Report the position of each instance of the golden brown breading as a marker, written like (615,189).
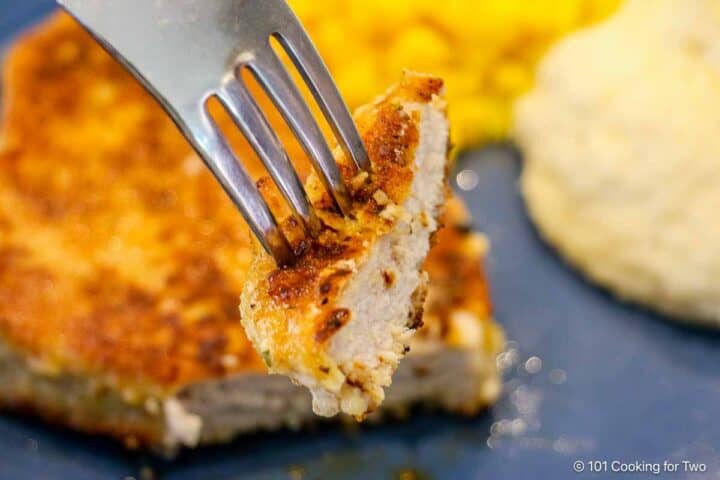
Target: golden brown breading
(119,253)
(332,321)
(121,260)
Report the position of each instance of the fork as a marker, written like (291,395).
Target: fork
(188,51)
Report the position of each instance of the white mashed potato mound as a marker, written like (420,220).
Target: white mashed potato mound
(621,136)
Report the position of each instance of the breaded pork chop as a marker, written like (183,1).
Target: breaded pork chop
(121,263)
(339,320)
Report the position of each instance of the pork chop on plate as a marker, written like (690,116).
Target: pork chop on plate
(122,262)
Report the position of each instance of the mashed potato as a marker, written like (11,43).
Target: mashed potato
(622,144)
(485,50)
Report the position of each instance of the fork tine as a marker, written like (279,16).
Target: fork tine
(272,75)
(252,122)
(311,66)
(217,155)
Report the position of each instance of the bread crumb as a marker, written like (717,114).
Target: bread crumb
(381,198)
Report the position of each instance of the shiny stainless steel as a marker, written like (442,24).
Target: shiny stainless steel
(187,51)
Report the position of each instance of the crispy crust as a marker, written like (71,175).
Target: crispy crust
(390,136)
(118,254)
(293,312)
(121,260)
(458,282)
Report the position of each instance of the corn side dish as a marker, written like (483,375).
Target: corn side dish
(486,50)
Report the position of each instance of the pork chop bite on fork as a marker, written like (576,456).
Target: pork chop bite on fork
(340,318)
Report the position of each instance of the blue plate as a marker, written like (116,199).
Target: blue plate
(587,379)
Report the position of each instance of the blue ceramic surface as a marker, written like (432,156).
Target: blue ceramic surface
(614,382)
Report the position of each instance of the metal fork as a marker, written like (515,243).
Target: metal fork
(187,51)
